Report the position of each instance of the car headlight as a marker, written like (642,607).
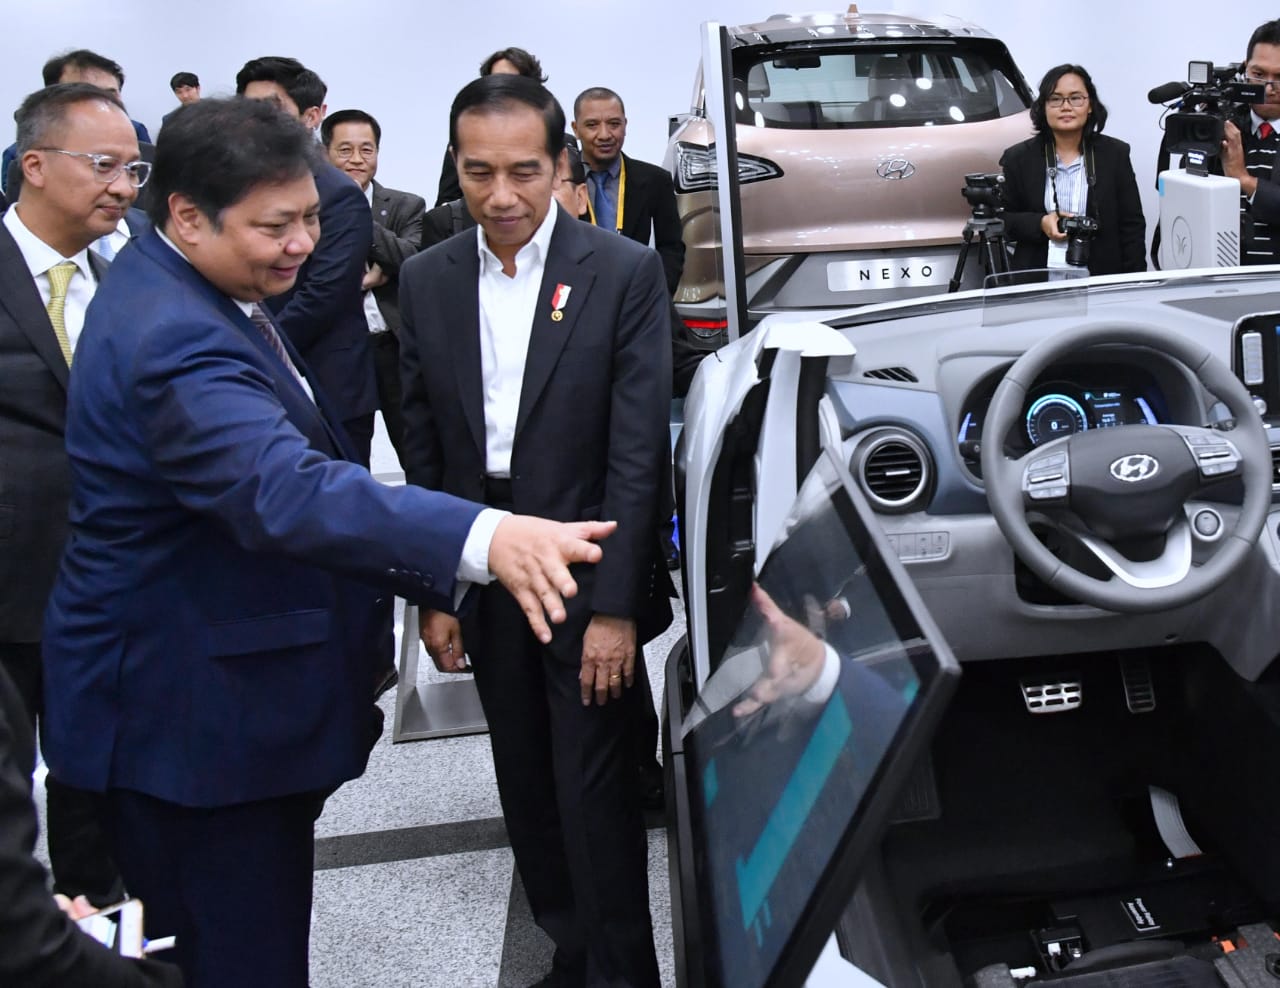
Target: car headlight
(696,168)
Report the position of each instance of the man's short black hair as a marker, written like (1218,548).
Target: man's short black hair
(1266,34)
(501,94)
(1097,118)
(526,64)
(304,87)
(181,79)
(80,58)
(597,92)
(216,151)
(348,116)
(577,169)
(47,108)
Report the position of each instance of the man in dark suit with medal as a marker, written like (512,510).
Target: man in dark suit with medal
(537,375)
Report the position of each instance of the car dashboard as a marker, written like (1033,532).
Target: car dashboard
(912,407)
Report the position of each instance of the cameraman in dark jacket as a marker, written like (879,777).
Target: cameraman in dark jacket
(1249,150)
(1070,170)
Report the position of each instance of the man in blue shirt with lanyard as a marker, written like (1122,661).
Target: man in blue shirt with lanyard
(631,197)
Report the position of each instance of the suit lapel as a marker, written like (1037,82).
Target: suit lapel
(548,336)
(634,200)
(461,309)
(305,413)
(21,299)
(383,206)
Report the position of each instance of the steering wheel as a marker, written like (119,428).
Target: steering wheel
(1127,486)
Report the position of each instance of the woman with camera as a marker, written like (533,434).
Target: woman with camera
(1071,199)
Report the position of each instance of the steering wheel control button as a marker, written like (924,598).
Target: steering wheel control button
(1047,478)
(1207,524)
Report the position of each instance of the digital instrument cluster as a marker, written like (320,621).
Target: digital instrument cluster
(1063,408)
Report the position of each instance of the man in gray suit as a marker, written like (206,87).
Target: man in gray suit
(81,173)
(352,139)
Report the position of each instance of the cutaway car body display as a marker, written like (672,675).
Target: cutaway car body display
(980,681)
(854,134)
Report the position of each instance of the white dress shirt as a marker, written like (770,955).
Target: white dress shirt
(40,257)
(507,308)
(372,314)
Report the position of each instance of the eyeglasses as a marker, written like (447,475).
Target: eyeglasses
(1075,99)
(1260,78)
(344,152)
(107,167)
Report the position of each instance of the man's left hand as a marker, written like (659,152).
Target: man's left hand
(608,658)
(1233,165)
(374,277)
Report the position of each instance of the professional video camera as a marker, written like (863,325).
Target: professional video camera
(1079,231)
(1199,211)
(1210,97)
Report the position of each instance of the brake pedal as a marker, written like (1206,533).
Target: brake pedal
(1139,688)
(1051,696)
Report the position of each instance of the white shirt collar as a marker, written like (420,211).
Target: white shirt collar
(368,192)
(537,246)
(40,257)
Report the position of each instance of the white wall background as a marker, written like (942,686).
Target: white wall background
(403,60)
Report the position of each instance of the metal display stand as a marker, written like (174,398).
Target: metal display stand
(435,709)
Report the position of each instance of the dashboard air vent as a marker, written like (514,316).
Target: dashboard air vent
(902,374)
(1275,469)
(894,469)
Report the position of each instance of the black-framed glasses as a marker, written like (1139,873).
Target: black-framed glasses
(1075,99)
(107,167)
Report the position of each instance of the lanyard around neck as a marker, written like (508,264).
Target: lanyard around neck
(622,195)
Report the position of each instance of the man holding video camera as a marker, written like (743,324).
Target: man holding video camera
(1249,149)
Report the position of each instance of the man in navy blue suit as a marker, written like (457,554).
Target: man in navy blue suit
(211,638)
(323,312)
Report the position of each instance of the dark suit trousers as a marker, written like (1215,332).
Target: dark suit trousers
(386,369)
(78,852)
(232,883)
(566,780)
(359,431)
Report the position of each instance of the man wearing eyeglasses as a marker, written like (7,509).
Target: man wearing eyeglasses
(81,173)
(1249,151)
(351,139)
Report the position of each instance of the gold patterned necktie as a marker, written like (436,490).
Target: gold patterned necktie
(59,279)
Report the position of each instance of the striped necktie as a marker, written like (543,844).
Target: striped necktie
(59,278)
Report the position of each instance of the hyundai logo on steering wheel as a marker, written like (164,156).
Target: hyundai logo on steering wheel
(1135,467)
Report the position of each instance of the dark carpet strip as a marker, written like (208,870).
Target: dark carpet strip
(408,843)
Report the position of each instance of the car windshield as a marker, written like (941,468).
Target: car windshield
(876,85)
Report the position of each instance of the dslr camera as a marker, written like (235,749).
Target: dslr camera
(1211,96)
(984,193)
(1079,231)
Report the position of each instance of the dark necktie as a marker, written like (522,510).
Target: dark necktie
(1265,130)
(606,216)
(258,316)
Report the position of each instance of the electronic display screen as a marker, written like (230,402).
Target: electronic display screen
(789,740)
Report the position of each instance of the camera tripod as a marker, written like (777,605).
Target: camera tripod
(989,229)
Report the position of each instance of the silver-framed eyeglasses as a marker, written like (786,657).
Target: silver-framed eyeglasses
(1075,99)
(107,167)
(1259,78)
(345,152)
